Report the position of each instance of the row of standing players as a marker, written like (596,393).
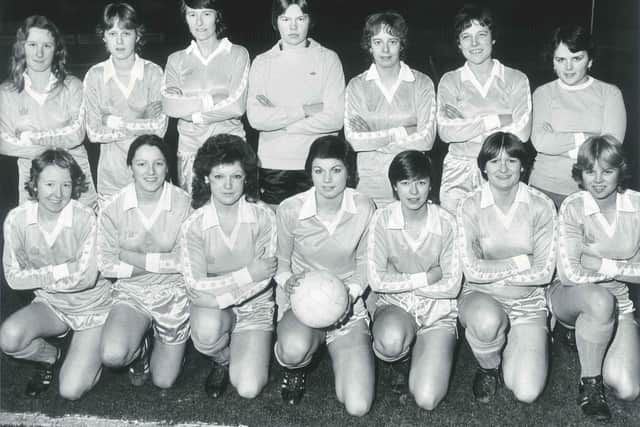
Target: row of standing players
(389,108)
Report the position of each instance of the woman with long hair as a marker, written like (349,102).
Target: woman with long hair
(49,247)
(205,85)
(138,236)
(122,97)
(598,257)
(41,103)
(228,260)
(389,108)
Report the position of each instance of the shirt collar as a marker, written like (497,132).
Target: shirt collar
(65,218)
(405,74)
(396,219)
(580,86)
(28,83)
(623,204)
(246,215)
(223,46)
(109,70)
(310,209)
(130,199)
(497,70)
(486,197)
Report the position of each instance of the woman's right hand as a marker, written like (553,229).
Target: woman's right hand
(292,283)
(153,110)
(359,124)
(262,268)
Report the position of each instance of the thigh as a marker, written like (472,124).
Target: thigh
(208,324)
(83,363)
(477,309)
(33,321)
(622,361)
(568,302)
(526,356)
(166,362)
(250,356)
(296,337)
(431,363)
(125,327)
(393,328)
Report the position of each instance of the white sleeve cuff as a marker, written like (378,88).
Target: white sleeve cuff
(522,262)
(197,118)
(207,102)
(609,267)
(25,137)
(398,133)
(114,122)
(225,300)
(152,262)
(124,270)
(491,122)
(418,280)
(60,271)
(242,277)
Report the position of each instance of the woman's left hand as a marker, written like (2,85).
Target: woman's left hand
(153,110)
(346,315)
(452,112)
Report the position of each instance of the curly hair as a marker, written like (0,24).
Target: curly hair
(409,164)
(223,149)
(509,143)
(221,28)
(601,149)
(18,63)
(126,16)
(333,147)
(63,159)
(390,22)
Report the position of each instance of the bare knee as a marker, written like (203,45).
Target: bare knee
(600,305)
(209,341)
(389,343)
(427,399)
(625,388)
(357,406)
(115,355)
(526,393)
(487,327)
(249,388)
(293,352)
(11,338)
(72,389)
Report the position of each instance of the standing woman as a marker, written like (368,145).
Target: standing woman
(599,237)
(41,103)
(205,85)
(49,247)
(122,97)
(413,266)
(568,110)
(324,228)
(389,108)
(503,306)
(479,98)
(296,94)
(138,231)
(228,260)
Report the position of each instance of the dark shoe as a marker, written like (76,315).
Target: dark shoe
(139,370)
(485,384)
(591,398)
(217,380)
(570,339)
(292,387)
(42,377)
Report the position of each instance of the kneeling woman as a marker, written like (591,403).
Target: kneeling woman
(503,297)
(49,247)
(228,260)
(599,237)
(414,268)
(138,231)
(324,228)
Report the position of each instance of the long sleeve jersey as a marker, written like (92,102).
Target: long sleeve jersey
(306,243)
(52,118)
(214,92)
(59,265)
(105,95)
(583,229)
(508,267)
(215,264)
(122,225)
(291,78)
(397,264)
(573,113)
(505,92)
(402,118)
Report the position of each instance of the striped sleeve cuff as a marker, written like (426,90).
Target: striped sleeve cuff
(418,280)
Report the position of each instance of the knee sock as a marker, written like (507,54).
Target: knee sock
(592,340)
(488,354)
(38,350)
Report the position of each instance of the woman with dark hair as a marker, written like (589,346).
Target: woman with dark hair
(41,103)
(599,237)
(503,306)
(389,108)
(324,228)
(49,247)
(413,266)
(568,110)
(296,94)
(480,98)
(228,260)
(138,236)
(205,85)
(122,97)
